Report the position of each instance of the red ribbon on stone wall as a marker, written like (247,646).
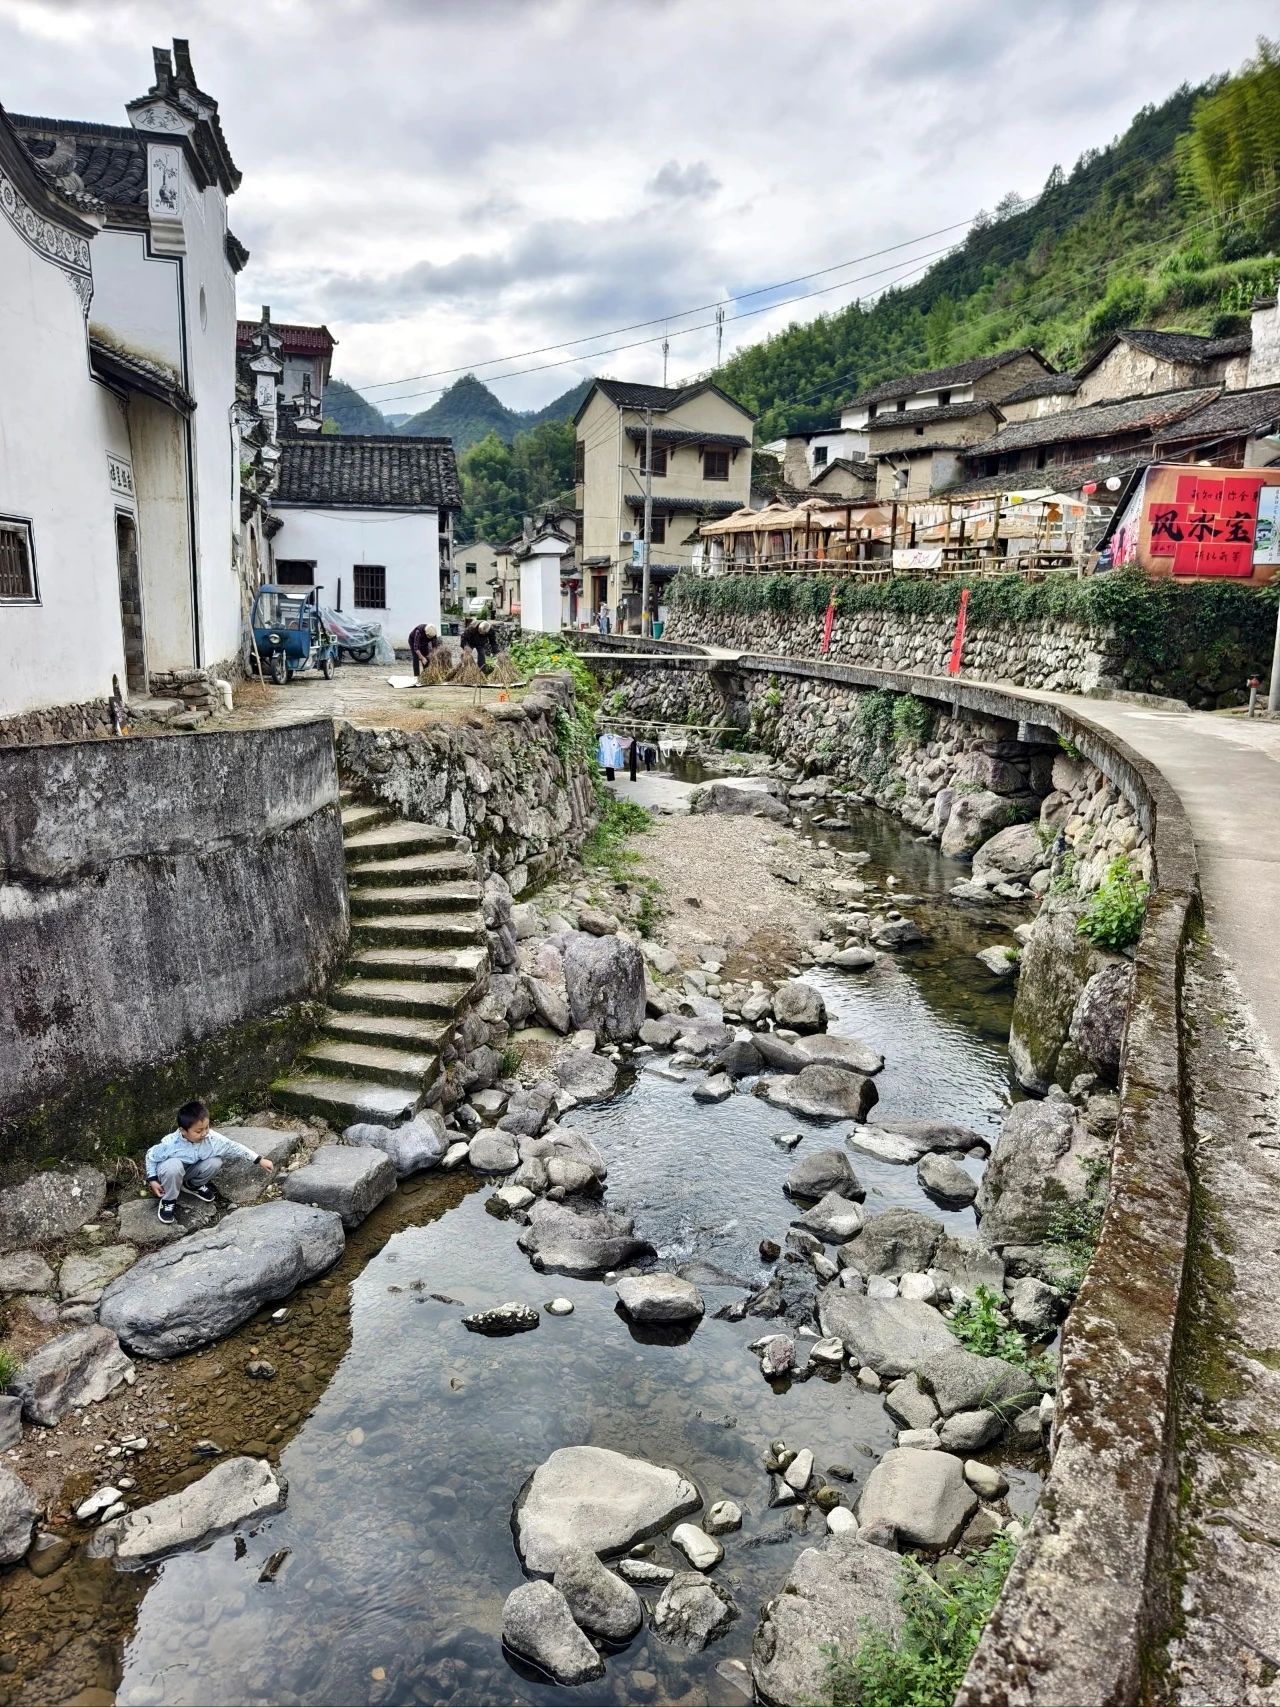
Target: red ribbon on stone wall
(957,645)
(827,626)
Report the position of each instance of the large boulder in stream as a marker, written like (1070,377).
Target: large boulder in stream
(589,1496)
(78,1368)
(921,1497)
(1014,854)
(351,1179)
(976,817)
(1046,1161)
(799,1007)
(562,1162)
(604,983)
(538,1625)
(1056,964)
(580,1241)
(420,1143)
(820,1093)
(1096,1033)
(190,1294)
(893,1336)
(17,1517)
(821,1171)
(848,1052)
(833,1596)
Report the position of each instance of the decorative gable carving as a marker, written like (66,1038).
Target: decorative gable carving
(65,249)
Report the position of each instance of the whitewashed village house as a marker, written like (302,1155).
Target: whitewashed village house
(118,465)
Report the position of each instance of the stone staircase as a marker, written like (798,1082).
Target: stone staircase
(417,949)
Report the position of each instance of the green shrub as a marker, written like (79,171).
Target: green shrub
(1113,918)
(1076,1227)
(912,720)
(10,1364)
(981,1326)
(923,1665)
(604,848)
(874,714)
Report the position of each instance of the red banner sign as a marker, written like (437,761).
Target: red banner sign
(1208,529)
(827,626)
(957,645)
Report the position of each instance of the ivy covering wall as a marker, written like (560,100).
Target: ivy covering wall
(1170,634)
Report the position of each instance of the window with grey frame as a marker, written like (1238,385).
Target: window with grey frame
(18,584)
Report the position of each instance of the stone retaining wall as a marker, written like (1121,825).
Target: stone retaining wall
(169,909)
(1055,656)
(515,779)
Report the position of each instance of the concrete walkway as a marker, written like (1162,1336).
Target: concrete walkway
(1226,771)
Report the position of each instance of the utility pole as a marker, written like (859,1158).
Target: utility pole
(719,333)
(648,517)
(666,348)
(1273,697)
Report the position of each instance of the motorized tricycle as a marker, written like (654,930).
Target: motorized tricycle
(289,634)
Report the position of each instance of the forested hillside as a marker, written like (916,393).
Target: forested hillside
(1176,223)
(468,410)
(349,412)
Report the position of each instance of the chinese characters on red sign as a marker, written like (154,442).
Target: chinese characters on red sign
(1208,529)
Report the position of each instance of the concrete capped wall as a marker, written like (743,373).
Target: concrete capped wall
(156,895)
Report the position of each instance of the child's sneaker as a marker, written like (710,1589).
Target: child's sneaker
(203,1192)
(165,1213)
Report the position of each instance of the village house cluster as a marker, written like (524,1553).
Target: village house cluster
(190,464)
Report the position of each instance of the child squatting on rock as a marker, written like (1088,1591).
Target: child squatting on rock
(188,1159)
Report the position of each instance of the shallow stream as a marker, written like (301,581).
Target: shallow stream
(404,1471)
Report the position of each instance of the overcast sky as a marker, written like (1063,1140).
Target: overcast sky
(444,182)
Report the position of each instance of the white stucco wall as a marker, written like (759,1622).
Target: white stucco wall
(406,543)
(53,472)
(540,610)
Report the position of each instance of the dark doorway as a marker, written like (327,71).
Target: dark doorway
(135,646)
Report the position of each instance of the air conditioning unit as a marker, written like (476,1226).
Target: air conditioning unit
(627,536)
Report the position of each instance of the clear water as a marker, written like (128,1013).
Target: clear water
(403,1475)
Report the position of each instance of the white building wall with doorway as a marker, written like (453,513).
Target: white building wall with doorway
(62,645)
(405,545)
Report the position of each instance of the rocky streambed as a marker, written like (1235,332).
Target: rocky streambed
(795,1385)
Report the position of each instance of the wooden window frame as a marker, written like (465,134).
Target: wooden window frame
(21,528)
(359,584)
(707,455)
(289,562)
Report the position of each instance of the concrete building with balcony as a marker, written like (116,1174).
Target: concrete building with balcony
(701,469)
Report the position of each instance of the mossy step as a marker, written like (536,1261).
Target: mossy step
(445,867)
(407,996)
(388,841)
(356,817)
(414,898)
(402,1031)
(418,930)
(344,1101)
(382,1063)
(432,965)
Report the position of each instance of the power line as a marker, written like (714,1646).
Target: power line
(675,314)
(639,343)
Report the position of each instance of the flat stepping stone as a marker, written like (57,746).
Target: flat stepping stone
(415,897)
(400,996)
(345,1100)
(421,867)
(589,1496)
(398,838)
(399,1029)
(350,1179)
(357,818)
(438,964)
(381,1062)
(442,930)
(236,1489)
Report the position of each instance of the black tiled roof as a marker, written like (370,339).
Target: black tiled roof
(700,506)
(629,396)
(1187,347)
(1048,385)
(900,418)
(137,373)
(111,160)
(961,373)
(237,254)
(368,472)
(1234,412)
(1061,477)
(690,436)
(1097,421)
(862,467)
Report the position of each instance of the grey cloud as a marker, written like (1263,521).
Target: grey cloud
(695,182)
